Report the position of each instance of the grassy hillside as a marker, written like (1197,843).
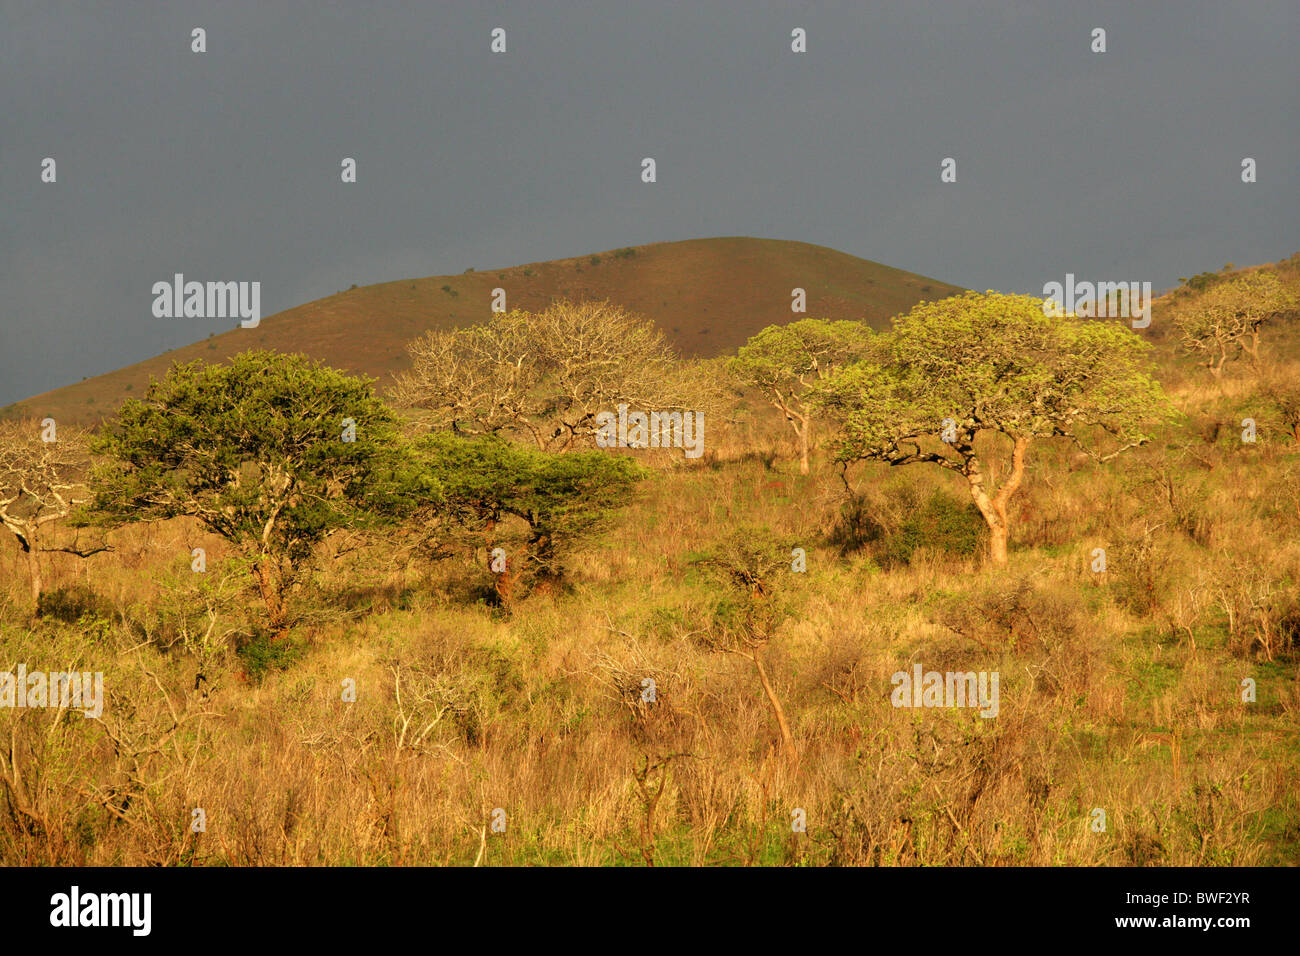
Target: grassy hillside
(1121,691)
(708,295)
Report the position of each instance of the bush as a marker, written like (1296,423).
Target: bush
(70,604)
(899,523)
(1019,613)
(1199,282)
(942,524)
(264,654)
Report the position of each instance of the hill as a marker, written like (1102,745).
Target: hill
(708,295)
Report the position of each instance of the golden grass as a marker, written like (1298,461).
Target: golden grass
(1119,691)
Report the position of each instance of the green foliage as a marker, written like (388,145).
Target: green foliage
(788,362)
(942,523)
(1201,281)
(790,359)
(1225,321)
(896,524)
(254,450)
(992,362)
(262,655)
(559,497)
(72,603)
(750,558)
(753,562)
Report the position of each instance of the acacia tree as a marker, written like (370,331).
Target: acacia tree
(272,452)
(1285,396)
(546,376)
(982,364)
(749,560)
(787,362)
(42,480)
(1225,322)
(554,499)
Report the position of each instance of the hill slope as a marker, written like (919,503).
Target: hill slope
(708,295)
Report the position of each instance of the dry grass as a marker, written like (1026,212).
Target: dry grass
(1119,691)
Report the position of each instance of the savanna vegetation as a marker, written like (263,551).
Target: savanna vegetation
(436,625)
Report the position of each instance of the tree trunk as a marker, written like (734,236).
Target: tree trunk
(998,544)
(994,509)
(34,570)
(504,581)
(787,738)
(801,422)
(1252,349)
(268,583)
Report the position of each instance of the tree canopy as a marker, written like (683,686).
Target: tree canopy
(272,452)
(787,362)
(557,498)
(990,363)
(546,376)
(1225,322)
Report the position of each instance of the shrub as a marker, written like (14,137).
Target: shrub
(899,523)
(70,604)
(942,524)
(264,654)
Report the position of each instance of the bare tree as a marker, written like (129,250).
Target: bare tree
(42,480)
(548,375)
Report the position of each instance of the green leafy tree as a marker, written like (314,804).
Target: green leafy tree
(1226,321)
(990,364)
(532,504)
(787,362)
(272,452)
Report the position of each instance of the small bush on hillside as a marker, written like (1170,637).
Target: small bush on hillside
(1019,614)
(941,524)
(263,654)
(70,604)
(901,523)
(1199,282)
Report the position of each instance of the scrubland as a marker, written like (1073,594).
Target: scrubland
(1121,690)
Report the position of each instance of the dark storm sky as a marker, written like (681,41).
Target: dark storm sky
(225,165)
